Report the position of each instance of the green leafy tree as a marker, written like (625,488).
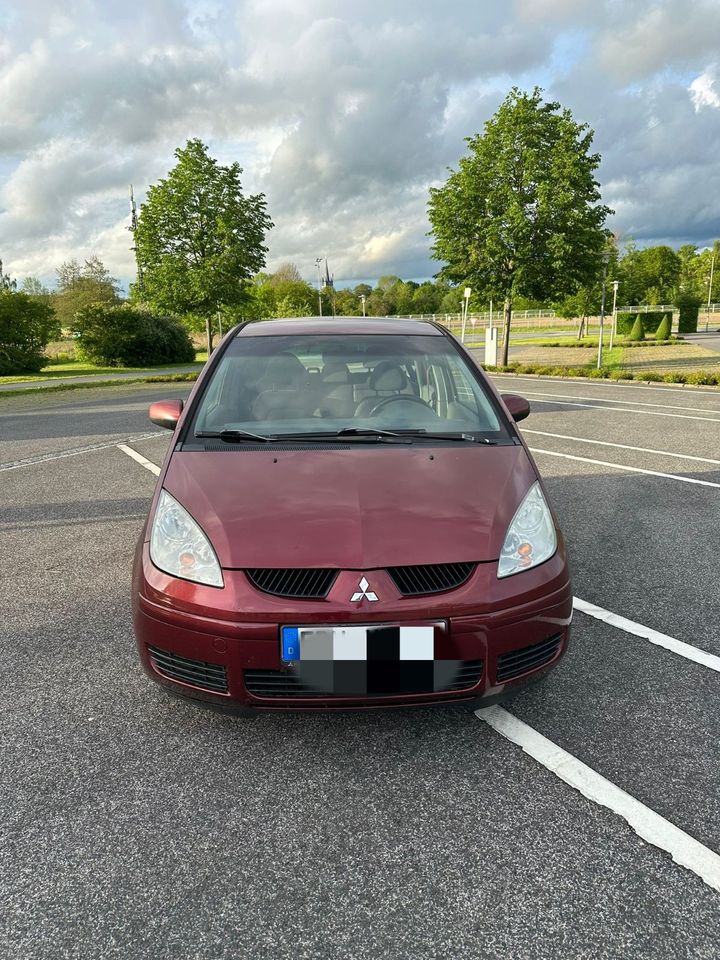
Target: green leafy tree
(522,215)
(79,286)
(26,328)
(35,288)
(199,239)
(649,276)
(6,283)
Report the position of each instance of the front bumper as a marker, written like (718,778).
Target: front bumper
(224,633)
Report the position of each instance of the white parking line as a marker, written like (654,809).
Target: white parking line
(74,452)
(631,403)
(622,446)
(537,398)
(620,466)
(650,826)
(686,650)
(152,467)
(611,385)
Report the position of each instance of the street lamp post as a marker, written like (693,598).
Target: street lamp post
(613,330)
(710,285)
(318,261)
(363,298)
(606,258)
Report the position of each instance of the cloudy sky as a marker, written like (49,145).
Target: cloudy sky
(342,112)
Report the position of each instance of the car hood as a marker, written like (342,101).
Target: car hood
(357,508)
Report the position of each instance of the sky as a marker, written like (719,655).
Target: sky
(343,113)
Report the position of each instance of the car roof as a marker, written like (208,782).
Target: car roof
(340,325)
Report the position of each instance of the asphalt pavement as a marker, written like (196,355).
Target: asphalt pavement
(138,826)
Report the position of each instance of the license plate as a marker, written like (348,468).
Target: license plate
(381,642)
(361,661)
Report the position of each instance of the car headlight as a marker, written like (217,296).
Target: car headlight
(179,547)
(530,539)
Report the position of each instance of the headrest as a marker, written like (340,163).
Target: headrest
(387,376)
(285,369)
(335,371)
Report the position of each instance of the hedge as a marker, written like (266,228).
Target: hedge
(688,317)
(651,321)
(698,377)
(127,336)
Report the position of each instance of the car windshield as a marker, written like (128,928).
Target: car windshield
(312,384)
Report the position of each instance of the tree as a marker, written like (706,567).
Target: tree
(34,288)
(5,282)
(26,327)
(80,286)
(522,215)
(199,239)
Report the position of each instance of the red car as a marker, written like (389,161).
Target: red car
(347,517)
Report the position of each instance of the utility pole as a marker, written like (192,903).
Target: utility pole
(132,228)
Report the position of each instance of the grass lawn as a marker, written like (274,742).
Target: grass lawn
(79,368)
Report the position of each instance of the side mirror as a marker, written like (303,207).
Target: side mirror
(518,407)
(165,413)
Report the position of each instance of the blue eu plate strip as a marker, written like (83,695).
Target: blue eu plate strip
(290,644)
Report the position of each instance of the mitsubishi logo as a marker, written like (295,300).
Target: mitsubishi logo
(363,592)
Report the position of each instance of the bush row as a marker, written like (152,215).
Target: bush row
(625,342)
(698,377)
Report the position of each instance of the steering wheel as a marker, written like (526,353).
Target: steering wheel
(402,398)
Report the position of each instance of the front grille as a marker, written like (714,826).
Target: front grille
(302,584)
(209,676)
(513,664)
(430,578)
(284,683)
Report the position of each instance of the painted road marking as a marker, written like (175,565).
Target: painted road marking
(611,385)
(633,403)
(622,446)
(650,826)
(74,452)
(538,398)
(139,458)
(620,466)
(686,650)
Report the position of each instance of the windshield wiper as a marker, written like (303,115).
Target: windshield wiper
(429,435)
(233,436)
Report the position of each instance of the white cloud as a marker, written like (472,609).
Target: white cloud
(343,113)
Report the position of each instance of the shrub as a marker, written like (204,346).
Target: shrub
(26,327)
(675,378)
(688,316)
(651,321)
(663,331)
(703,378)
(638,330)
(649,377)
(127,336)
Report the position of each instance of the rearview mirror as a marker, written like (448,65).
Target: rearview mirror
(165,413)
(518,407)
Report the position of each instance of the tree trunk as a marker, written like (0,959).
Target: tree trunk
(508,321)
(581,328)
(208,336)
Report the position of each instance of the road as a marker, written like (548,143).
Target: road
(137,826)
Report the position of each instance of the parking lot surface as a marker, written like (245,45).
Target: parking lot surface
(138,826)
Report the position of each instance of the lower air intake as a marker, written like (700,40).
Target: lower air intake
(517,662)
(442,677)
(198,673)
